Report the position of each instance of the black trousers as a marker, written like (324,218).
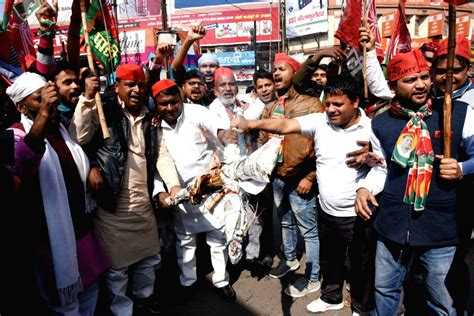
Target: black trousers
(362,257)
(338,236)
(335,236)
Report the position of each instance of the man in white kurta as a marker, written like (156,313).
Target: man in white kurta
(188,130)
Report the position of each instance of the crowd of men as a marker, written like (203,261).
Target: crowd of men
(364,184)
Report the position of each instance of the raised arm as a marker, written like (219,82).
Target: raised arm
(375,78)
(194,34)
(85,121)
(47,17)
(162,51)
(302,79)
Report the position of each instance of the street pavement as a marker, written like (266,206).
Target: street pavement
(256,295)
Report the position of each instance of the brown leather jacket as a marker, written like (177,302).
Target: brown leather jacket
(298,150)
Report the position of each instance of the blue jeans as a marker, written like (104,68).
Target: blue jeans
(295,211)
(391,264)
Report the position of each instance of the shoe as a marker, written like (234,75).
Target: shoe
(301,287)
(267,262)
(355,314)
(283,268)
(145,306)
(255,268)
(319,306)
(227,293)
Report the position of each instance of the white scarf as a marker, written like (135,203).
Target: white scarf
(58,214)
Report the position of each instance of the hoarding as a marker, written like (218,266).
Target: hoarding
(136,45)
(435,24)
(387,23)
(463,23)
(229,27)
(179,4)
(245,58)
(305,17)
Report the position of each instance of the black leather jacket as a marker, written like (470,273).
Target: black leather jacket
(111,154)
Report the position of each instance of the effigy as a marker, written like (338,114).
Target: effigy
(225,188)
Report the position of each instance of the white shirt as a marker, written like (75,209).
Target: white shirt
(187,142)
(336,181)
(220,110)
(190,145)
(376,82)
(253,112)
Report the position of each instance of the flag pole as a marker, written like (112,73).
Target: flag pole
(364,51)
(449,82)
(90,60)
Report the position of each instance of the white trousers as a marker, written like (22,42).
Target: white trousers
(143,284)
(186,252)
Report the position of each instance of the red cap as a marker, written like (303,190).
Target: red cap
(161,85)
(223,71)
(404,64)
(131,72)
(462,47)
(282,57)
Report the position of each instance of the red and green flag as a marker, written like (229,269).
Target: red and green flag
(103,35)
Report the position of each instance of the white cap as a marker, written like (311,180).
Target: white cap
(24,85)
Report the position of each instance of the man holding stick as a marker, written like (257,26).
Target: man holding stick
(418,205)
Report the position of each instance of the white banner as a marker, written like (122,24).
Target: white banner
(305,17)
(132,42)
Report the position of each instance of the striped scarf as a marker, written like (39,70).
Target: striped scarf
(279,112)
(413,149)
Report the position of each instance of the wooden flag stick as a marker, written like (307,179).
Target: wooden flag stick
(449,82)
(364,51)
(90,60)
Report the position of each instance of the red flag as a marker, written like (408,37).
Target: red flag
(348,30)
(374,27)
(401,40)
(22,48)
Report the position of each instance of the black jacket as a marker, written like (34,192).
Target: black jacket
(111,154)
